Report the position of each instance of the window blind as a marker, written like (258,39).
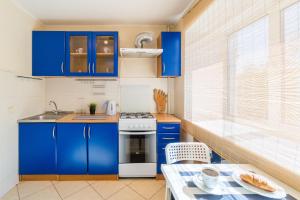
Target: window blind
(242,77)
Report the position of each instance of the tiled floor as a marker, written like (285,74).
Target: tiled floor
(124,189)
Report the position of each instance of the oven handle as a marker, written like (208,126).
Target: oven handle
(137,132)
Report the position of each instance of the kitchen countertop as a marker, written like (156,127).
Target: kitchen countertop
(70,119)
(166,118)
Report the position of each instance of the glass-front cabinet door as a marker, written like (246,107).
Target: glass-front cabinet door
(78,53)
(105,59)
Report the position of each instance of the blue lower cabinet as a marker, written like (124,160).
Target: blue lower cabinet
(215,158)
(168,128)
(166,133)
(161,159)
(37,148)
(72,148)
(103,148)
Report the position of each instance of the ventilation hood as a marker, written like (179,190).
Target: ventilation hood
(140,52)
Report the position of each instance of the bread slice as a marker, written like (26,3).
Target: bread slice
(257,182)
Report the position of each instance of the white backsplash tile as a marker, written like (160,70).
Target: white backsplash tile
(75,94)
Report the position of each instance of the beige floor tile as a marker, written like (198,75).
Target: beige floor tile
(146,188)
(29,187)
(11,194)
(126,194)
(160,195)
(108,188)
(127,181)
(85,194)
(66,188)
(47,194)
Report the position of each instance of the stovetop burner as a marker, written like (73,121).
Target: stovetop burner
(137,115)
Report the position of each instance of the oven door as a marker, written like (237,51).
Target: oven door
(137,147)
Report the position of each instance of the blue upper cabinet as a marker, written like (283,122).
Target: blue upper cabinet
(59,53)
(105,54)
(48,53)
(37,148)
(103,148)
(169,63)
(79,53)
(72,148)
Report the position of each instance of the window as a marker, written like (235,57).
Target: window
(247,59)
(291,71)
(242,77)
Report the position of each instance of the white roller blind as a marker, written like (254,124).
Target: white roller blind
(242,76)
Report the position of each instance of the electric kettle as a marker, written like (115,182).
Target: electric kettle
(111,107)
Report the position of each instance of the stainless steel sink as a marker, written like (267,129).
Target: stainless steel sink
(60,112)
(90,117)
(46,117)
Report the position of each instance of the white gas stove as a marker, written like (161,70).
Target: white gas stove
(137,145)
(141,121)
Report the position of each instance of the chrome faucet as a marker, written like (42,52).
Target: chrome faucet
(55,111)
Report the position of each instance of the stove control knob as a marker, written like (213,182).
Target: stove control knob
(141,126)
(130,126)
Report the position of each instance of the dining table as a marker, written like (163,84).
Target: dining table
(179,183)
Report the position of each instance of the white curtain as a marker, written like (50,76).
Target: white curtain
(242,76)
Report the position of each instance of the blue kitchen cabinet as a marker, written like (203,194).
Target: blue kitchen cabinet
(78,53)
(215,158)
(166,133)
(37,148)
(48,53)
(92,53)
(72,148)
(103,148)
(105,54)
(87,148)
(169,63)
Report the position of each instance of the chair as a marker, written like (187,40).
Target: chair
(185,151)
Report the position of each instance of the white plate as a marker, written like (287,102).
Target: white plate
(278,194)
(218,190)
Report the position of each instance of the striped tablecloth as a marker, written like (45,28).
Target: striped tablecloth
(179,178)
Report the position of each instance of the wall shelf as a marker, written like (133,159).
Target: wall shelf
(78,54)
(105,54)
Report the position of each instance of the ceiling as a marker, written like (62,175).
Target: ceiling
(106,11)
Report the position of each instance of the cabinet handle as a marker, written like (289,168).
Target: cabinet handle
(89,67)
(93,68)
(84,132)
(89,132)
(164,68)
(168,138)
(168,128)
(62,67)
(53,132)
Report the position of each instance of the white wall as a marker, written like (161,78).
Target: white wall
(19,97)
